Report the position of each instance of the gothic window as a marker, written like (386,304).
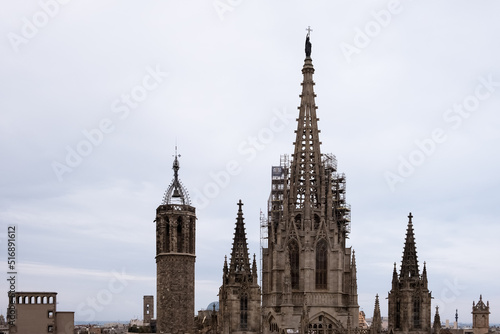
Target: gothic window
(398,314)
(316,222)
(293,250)
(167,236)
(244,312)
(180,236)
(416,313)
(191,235)
(298,222)
(321,264)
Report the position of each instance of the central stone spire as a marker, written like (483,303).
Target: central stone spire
(306,164)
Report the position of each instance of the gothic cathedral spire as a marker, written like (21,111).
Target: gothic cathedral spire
(239,294)
(305,180)
(306,265)
(409,264)
(409,298)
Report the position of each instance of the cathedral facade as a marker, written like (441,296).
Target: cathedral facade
(308,273)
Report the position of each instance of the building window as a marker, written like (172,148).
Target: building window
(321,264)
(317,222)
(51,314)
(293,250)
(243,312)
(398,314)
(50,329)
(167,236)
(298,222)
(180,236)
(416,313)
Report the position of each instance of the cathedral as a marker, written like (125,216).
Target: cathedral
(309,282)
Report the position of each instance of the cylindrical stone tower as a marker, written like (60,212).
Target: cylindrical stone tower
(175,259)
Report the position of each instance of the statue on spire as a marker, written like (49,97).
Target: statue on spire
(308,43)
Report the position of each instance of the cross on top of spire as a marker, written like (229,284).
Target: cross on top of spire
(410,216)
(240,204)
(308,31)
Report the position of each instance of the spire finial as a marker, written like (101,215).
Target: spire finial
(308,43)
(176,191)
(410,216)
(308,31)
(240,204)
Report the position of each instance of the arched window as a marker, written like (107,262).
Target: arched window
(316,222)
(321,264)
(191,235)
(416,312)
(298,222)
(293,251)
(167,236)
(244,312)
(398,314)
(180,236)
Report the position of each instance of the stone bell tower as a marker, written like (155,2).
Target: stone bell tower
(175,258)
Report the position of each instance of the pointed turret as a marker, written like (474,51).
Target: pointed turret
(424,276)
(239,295)
(306,164)
(437,322)
(376,326)
(409,264)
(239,263)
(354,281)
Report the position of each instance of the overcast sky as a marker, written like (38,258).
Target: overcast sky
(94,96)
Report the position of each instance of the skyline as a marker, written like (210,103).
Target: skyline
(408,108)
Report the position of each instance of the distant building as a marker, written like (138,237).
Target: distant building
(148,307)
(35,312)
(481,316)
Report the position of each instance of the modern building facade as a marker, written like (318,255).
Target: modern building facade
(35,312)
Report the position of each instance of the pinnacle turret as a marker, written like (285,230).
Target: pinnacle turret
(376,326)
(240,262)
(409,264)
